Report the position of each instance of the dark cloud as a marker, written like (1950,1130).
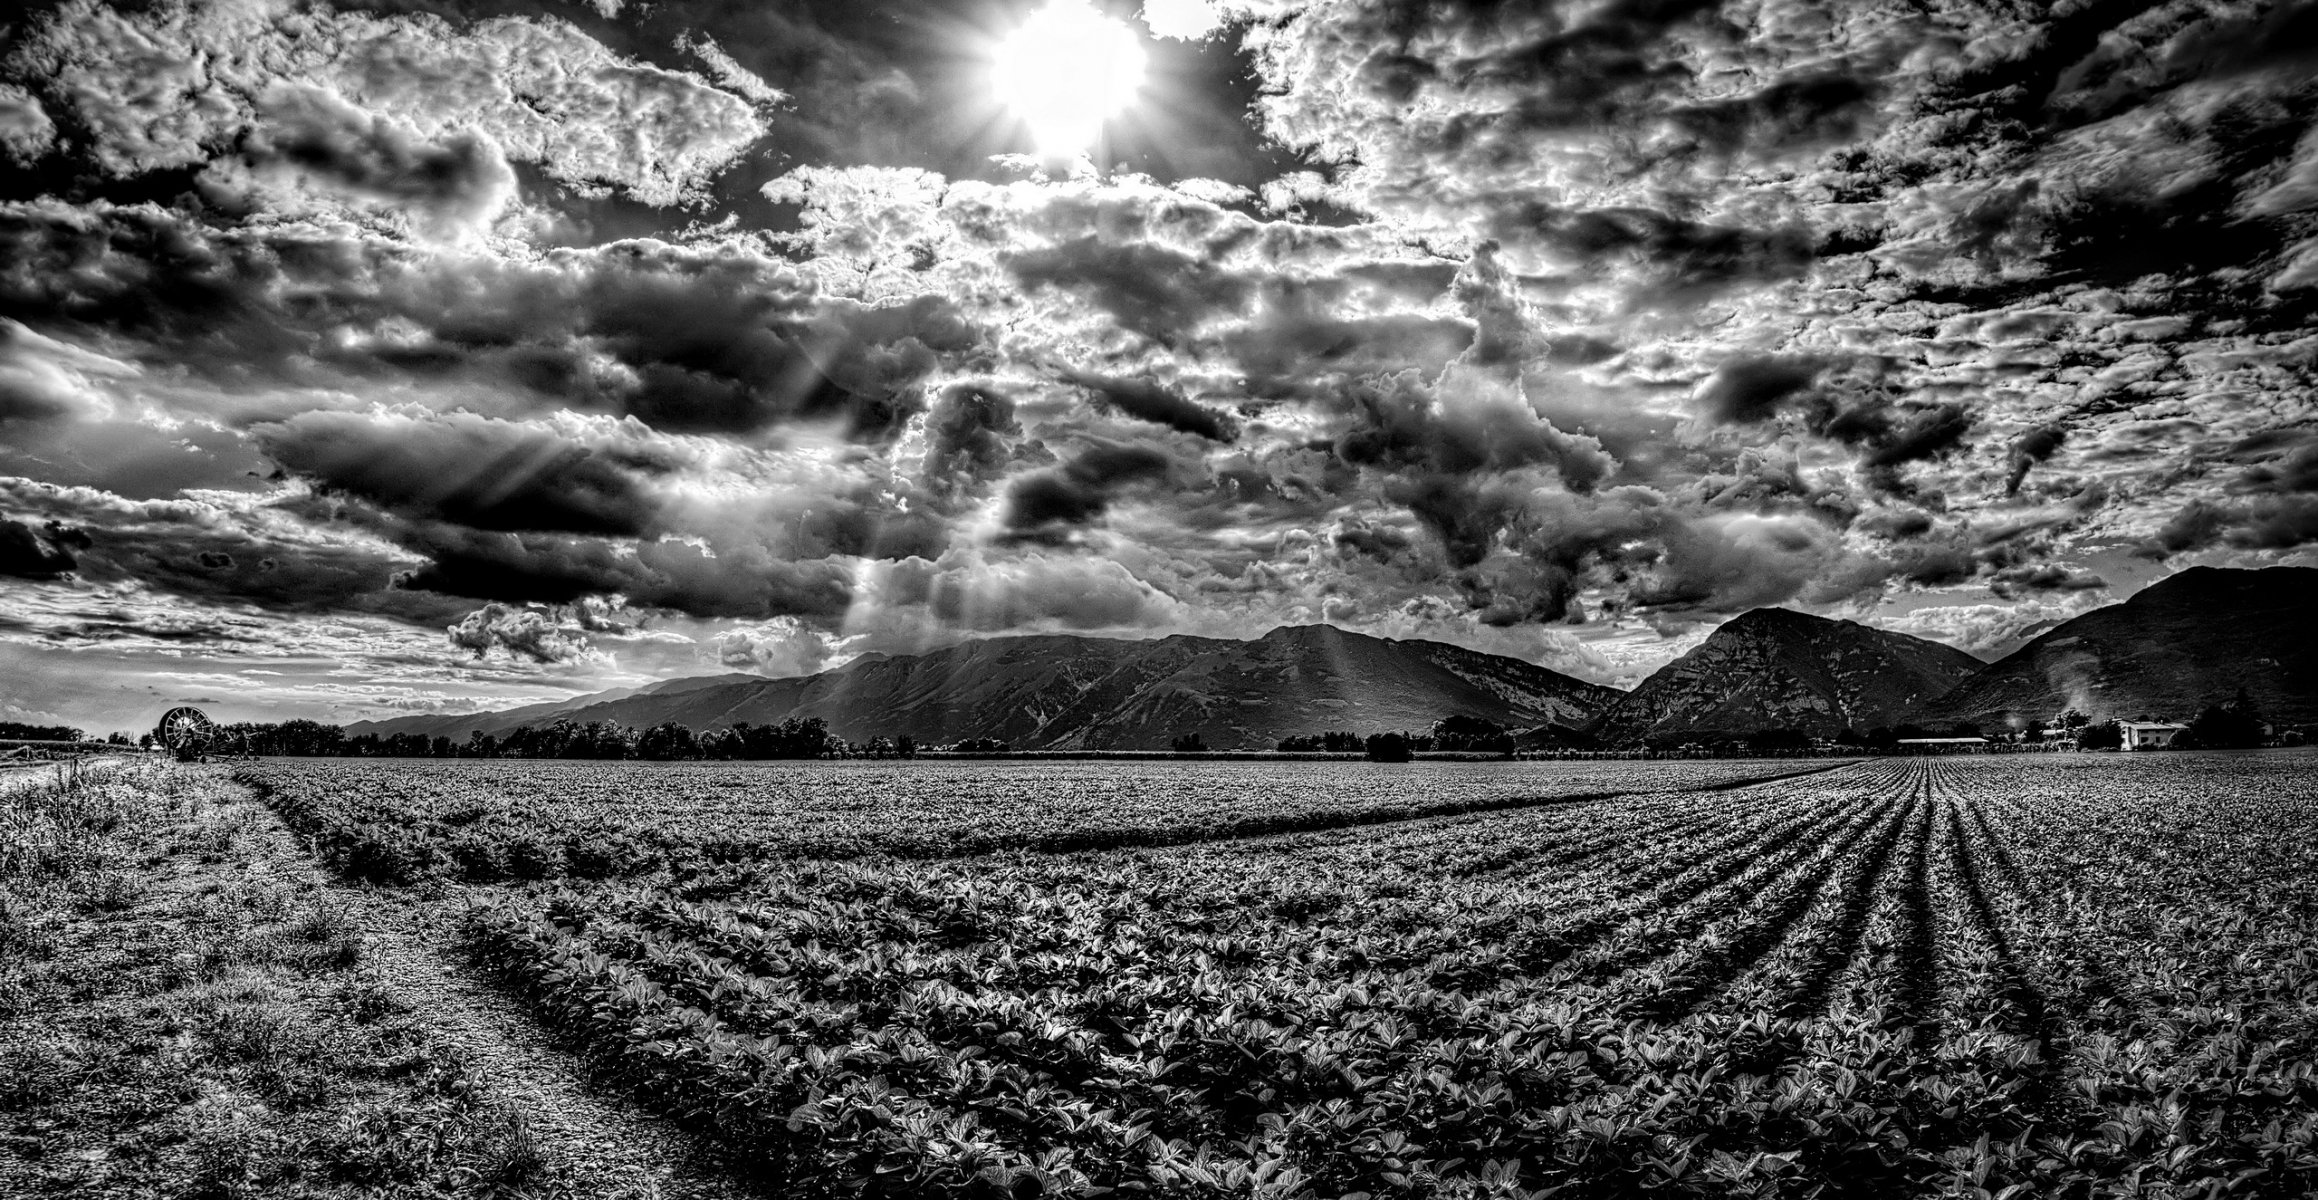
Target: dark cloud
(38,553)
(710,339)
(1680,255)
(2044,577)
(969,432)
(1889,436)
(474,471)
(2035,446)
(458,184)
(1749,388)
(1148,401)
(1464,422)
(1732,565)
(2284,464)
(1807,110)
(1157,291)
(1045,505)
(1898,524)
(526,568)
(1380,542)
(1936,566)
(2265,523)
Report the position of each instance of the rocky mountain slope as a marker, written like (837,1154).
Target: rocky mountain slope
(1064,692)
(2179,644)
(1774,668)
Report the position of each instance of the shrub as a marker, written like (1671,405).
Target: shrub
(479,857)
(595,857)
(389,856)
(532,857)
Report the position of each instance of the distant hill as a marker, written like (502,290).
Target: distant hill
(1774,668)
(1063,692)
(2176,646)
(457,725)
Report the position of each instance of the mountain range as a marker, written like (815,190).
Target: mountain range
(1059,692)
(2190,640)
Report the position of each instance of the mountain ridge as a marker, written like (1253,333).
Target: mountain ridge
(1070,692)
(2188,640)
(2165,652)
(1776,668)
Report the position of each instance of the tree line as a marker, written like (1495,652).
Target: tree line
(18,731)
(797,737)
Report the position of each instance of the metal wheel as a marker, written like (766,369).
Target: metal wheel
(187,732)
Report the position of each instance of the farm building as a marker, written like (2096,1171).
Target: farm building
(2149,735)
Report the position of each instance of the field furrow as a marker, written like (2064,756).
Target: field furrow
(2063,975)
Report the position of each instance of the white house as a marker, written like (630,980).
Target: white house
(2149,735)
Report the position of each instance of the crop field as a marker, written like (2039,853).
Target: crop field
(396,820)
(2035,976)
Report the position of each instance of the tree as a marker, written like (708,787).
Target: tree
(2232,726)
(1778,741)
(667,742)
(1388,747)
(2104,736)
(1472,734)
(1191,743)
(2072,719)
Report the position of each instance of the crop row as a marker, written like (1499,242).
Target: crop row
(1902,978)
(485,821)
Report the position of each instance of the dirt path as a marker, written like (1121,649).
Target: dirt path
(617,1148)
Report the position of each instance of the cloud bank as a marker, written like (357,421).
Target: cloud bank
(1530,326)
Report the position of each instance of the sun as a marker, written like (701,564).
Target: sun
(1065,71)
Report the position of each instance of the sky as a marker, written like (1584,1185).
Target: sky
(442,354)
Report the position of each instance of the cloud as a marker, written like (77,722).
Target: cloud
(969,432)
(728,70)
(475,471)
(1148,401)
(530,633)
(158,88)
(1990,630)
(1185,20)
(38,553)
(1038,591)
(26,132)
(1160,292)
(1529,322)
(1046,504)
(306,137)
(781,648)
(1749,388)
(702,339)
(2035,446)
(44,379)
(1737,562)
(2264,523)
